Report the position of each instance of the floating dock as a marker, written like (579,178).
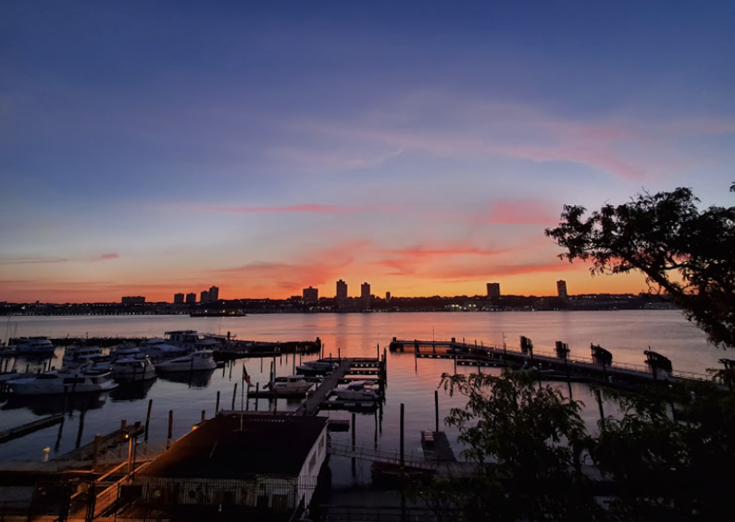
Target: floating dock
(25,429)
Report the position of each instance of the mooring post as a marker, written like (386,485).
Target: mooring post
(204,415)
(81,428)
(402,441)
(170,427)
(216,406)
(234,396)
(257,395)
(231,365)
(148,419)
(598,395)
(436,408)
(353,444)
(96,451)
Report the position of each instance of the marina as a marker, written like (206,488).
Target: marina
(174,405)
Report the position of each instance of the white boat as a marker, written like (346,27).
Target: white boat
(133,369)
(316,367)
(158,349)
(291,384)
(201,360)
(33,345)
(58,381)
(355,391)
(75,356)
(125,351)
(191,341)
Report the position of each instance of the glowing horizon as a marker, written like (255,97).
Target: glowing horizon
(151,150)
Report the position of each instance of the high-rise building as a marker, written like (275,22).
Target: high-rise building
(387,296)
(178,298)
(204,296)
(191,298)
(340,299)
(493,290)
(214,294)
(365,299)
(561,289)
(311,295)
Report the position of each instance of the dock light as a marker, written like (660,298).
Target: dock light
(46,451)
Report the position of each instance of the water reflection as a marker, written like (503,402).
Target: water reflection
(192,379)
(132,391)
(50,404)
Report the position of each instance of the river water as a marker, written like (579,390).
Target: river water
(411,382)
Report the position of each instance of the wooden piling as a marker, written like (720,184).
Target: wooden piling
(204,415)
(216,406)
(598,396)
(96,451)
(257,395)
(148,419)
(170,428)
(436,408)
(234,396)
(402,433)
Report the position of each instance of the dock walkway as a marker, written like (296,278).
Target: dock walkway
(472,354)
(311,405)
(30,427)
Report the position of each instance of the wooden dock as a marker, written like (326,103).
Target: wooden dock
(552,366)
(30,427)
(315,398)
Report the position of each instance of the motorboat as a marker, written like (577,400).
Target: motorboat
(158,349)
(133,369)
(191,341)
(80,380)
(125,351)
(33,346)
(316,368)
(355,391)
(75,356)
(198,361)
(291,384)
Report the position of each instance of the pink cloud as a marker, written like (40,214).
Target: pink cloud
(520,212)
(409,260)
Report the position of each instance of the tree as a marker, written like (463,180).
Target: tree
(688,253)
(525,442)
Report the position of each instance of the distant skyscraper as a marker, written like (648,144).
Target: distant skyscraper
(178,298)
(340,299)
(365,300)
(493,290)
(387,296)
(311,295)
(191,298)
(561,289)
(213,294)
(204,297)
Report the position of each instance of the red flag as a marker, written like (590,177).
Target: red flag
(245,376)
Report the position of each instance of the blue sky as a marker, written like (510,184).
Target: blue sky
(156,147)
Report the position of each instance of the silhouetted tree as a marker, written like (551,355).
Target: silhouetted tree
(688,253)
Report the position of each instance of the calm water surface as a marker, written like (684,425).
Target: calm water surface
(625,333)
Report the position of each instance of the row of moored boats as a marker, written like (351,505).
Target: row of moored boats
(298,384)
(89,369)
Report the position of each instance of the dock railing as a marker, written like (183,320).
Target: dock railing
(414,459)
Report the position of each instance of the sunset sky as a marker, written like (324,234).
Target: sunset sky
(148,148)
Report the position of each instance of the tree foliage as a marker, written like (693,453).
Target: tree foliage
(688,253)
(526,443)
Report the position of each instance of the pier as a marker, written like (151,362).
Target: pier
(30,427)
(553,366)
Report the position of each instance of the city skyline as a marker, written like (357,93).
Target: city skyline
(151,148)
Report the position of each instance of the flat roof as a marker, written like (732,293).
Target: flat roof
(267,444)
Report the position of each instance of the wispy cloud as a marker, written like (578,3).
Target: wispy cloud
(305,208)
(55,259)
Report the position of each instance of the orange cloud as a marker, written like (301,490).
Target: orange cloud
(520,212)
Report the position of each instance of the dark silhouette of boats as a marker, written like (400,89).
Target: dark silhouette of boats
(217,314)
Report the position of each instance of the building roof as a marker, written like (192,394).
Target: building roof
(267,444)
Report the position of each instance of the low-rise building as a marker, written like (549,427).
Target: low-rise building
(252,464)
